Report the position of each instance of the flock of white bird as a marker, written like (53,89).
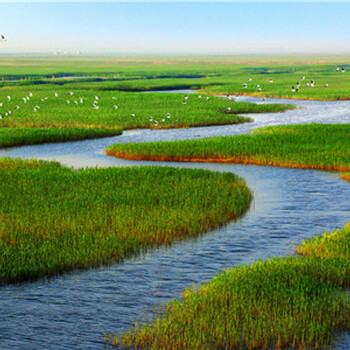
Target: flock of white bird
(26,99)
(297,86)
(72,101)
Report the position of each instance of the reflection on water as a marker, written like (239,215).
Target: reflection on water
(73,310)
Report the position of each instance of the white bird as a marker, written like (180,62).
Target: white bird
(337,69)
(259,89)
(132,115)
(27,98)
(155,123)
(16,107)
(207,98)
(271,80)
(245,85)
(302,78)
(30,94)
(3,39)
(56,94)
(81,100)
(199,96)
(186,97)
(249,80)
(326,85)
(0,116)
(76,102)
(257,86)
(343,70)
(163,120)
(96,97)
(70,93)
(37,107)
(24,100)
(9,98)
(34,109)
(184,102)
(293,89)
(68,102)
(115,107)
(96,107)
(1,104)
(114,98)
(228,109)
(150,118)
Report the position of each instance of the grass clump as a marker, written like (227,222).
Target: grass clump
(10,137)
(316,146)
(293,302)
(345,176)
(329,245)
(54,219)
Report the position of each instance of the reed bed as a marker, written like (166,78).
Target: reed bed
(10,137)
(290,302)
(315,146)
(54,219)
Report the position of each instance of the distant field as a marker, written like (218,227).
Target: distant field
(216,75)
(314,146)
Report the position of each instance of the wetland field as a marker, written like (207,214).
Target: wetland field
(214,212)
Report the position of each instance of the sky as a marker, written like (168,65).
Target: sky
(178,27)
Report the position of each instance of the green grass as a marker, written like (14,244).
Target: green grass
(133,109)
(213,74)
(329,246)
(54,219)
(10,137)
(293,302)
(316,146)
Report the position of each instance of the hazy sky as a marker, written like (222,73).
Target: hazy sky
(176,27)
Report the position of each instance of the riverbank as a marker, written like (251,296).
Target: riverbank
(281,302)
(313,146)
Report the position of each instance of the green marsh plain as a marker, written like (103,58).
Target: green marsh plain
(60,219)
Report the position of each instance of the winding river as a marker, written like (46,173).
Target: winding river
(73,310)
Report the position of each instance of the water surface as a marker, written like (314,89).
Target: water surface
(73,310)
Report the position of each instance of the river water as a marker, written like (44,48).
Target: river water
(73,310)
